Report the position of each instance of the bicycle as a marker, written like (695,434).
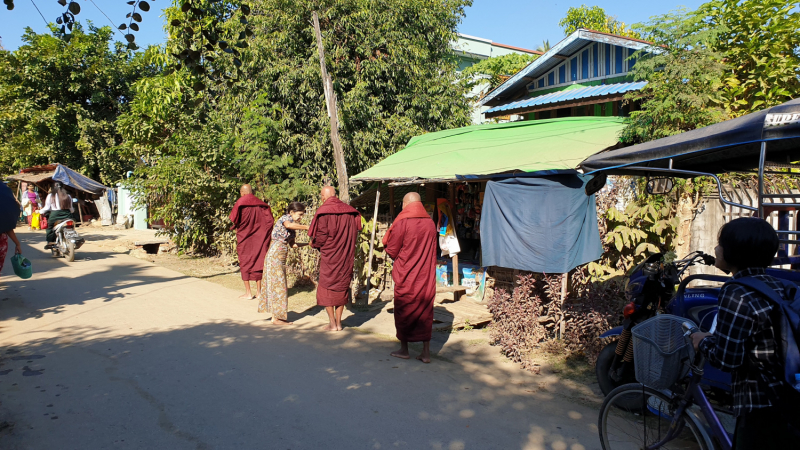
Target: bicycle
(658,412)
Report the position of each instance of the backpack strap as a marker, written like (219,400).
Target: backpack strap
(764,289)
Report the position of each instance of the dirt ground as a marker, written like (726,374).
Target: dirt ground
(114,351)
(302,300)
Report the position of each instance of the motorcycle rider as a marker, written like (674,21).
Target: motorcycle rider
(59,206)
(744,342)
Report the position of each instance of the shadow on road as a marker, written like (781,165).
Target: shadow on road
(53,275)
(218,384)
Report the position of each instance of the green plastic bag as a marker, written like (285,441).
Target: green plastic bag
(22,266)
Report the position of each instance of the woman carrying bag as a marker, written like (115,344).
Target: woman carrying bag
(274,296)
(58,205)
(31,203)
(9,213)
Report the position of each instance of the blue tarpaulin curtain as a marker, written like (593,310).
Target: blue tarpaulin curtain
(75,180)
(544,224)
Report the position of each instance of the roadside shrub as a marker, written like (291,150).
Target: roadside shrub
(531,316)
(515,319)
(592,309)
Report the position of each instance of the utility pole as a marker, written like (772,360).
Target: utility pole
(330,100)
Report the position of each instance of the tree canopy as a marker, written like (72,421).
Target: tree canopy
(685,79)
(59,101)
(394,75)
(496,70)
(594,18)
(725,59)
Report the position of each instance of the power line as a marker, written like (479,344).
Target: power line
(40,13)
(109,18)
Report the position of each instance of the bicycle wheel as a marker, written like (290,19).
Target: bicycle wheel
(623,427)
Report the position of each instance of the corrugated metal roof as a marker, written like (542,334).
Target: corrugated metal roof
(570,95)
(568,47)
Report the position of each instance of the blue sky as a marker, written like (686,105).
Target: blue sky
(512,22)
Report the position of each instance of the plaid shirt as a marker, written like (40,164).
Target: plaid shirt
(744,342)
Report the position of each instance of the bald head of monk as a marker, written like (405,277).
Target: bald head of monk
(327,192)
(246,189)
(411,197)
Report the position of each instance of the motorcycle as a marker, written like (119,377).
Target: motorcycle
(650,289)
(67,240)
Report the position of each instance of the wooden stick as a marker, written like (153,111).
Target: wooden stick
(330,100)
(372,239)
(391,202)
(80,211)
(452,194)
(564,280)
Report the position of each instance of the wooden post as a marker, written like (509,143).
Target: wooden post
(372,239)
(330,100)
(564,289)
(451,192)
(391,202)
(80,211)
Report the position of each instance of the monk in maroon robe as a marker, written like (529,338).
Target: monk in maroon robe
(334,231)
(411,241)
(252,219)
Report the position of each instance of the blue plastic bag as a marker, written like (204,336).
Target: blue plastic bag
(22,266)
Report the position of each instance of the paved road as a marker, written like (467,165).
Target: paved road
(114,352)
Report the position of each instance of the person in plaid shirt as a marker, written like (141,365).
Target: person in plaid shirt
(744,340)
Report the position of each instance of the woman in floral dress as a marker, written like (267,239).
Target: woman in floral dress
(273,296)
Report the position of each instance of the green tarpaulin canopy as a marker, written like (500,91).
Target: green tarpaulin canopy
(529,146)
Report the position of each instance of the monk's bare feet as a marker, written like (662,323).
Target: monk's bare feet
(281,322)
(329,327)
(338,327)
(246,297)
(402,354)
(425,359)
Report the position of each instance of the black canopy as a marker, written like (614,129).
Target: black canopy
(730,146)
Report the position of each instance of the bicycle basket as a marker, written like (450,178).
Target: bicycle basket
(659,350)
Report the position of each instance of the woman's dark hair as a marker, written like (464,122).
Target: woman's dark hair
(295,206)
(748,242)
(64,200)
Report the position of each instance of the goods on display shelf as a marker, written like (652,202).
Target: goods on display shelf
(472,275)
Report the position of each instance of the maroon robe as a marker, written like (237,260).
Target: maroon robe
(334,231)
(253,222)
(412,243)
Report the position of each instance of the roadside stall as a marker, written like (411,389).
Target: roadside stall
(502,196)
(90,197)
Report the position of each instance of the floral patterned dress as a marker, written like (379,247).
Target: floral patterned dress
(3,249)
(273,296)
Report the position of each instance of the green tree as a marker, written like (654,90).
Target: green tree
(761,43)
(594,18)
(59,101)
(495,70)
(685,79)
(393,73)
(544,47)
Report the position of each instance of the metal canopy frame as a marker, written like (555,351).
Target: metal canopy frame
(763,206)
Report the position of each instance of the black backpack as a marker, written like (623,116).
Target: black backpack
(786,320)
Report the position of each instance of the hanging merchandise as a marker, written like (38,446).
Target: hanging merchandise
(468,211)
(448,241)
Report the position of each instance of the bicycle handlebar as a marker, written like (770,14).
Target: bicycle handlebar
(697,358)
